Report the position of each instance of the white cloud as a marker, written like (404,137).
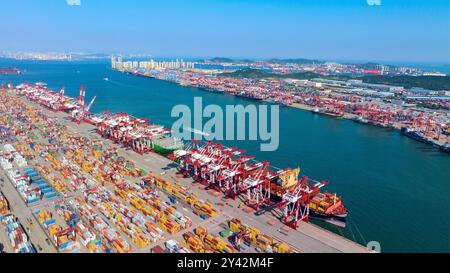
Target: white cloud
(374,2)
(73,2)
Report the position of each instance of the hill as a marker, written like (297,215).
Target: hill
(427,82)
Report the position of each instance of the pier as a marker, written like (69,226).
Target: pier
(306,238)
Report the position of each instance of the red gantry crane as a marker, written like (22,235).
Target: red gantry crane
(257,185)
(295,202)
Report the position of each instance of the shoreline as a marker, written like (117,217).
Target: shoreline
(348,116)
(307,238)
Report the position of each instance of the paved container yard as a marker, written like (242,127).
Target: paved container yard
(306,238)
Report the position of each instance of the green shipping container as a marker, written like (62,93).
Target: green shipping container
(225,233)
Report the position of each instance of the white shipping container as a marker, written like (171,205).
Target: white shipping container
(8,148)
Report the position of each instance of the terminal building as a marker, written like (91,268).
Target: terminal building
(117,63)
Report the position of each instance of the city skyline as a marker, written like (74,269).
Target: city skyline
(411,31)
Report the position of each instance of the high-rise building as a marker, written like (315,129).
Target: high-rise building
(113,62)
(117,63)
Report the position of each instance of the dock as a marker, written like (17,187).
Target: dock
(307,238)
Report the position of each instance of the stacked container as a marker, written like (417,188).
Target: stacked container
(5,164)
(172,246)
(17,236)
(111,235)
(30,193)
(4,207)
(260,240)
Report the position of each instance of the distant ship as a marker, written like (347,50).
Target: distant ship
(106,79)
(10,71)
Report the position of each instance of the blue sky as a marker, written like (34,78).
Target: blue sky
(397,30)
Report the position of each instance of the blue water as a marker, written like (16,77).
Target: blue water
(396,189)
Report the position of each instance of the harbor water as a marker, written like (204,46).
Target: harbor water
(397,190)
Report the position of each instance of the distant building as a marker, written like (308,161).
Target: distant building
(117,63)
(422,91)
(350,82)
(329,82)
(436,74)
(113,62)
(377,87)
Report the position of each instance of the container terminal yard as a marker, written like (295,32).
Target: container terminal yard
(380,105)
(72,181)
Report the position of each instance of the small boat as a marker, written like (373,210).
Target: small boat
(106,79)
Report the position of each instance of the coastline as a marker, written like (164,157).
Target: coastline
(307,238)
(396,125)
(349,116)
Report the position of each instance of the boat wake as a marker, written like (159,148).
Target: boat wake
(121,84)
(197,132)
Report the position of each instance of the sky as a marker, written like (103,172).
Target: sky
(395,30)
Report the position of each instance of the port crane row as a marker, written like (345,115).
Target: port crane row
(223,169)
(229,171)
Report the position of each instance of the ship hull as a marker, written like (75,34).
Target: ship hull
(415,136)
(337,220)
(328,114)
(361,121)
(445,149)
(164,150)
(381,125)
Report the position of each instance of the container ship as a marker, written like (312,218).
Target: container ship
(229,171)
(10,71)
(360,119)
(326,206)
(416,135)
(135,133)
(328,112)
(131,132)
(51,100)
(166,145)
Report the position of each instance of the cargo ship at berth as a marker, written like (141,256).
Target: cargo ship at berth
(228,171)
(416,135)
(327,112)
(327,207)
(131,132)
(166,145)
(361,120)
